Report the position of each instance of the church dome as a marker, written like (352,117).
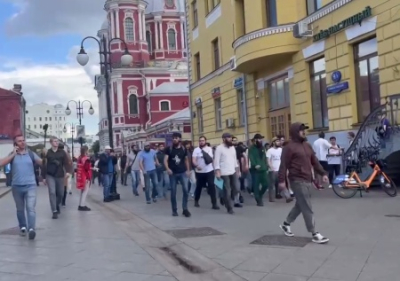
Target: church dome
(158,6)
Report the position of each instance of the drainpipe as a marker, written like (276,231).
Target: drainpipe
(246,121)
(188,71)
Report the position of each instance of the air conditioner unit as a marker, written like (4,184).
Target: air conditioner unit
(230,123)
(301,30)
(232,63)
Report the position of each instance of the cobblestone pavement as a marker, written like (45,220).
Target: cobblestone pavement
(129,238)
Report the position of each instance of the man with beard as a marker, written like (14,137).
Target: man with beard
(258,169)
(299,159)
(202,161)
(162,175)
(148,163)
(133,165)
(177,165)
(227,168)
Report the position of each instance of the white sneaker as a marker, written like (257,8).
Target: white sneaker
(22,231)
(286,230)
(319,239)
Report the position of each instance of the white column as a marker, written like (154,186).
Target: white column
(161,35)
(156,35)
(112,24)
(120,98)
(182,37)
(117,28)
(144,25)
(140,25)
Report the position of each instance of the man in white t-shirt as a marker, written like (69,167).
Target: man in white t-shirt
(274,161)
(203,163)
(321,147)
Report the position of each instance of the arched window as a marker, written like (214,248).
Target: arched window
(129,31)
(149,41)
(171,39)
(165,105)
(133,104)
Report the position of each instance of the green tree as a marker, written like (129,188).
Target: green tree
(96,147)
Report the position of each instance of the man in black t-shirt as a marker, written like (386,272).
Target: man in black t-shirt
(177,165)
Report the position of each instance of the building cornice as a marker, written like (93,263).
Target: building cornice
(210,76)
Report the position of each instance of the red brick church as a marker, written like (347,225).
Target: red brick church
(150,98)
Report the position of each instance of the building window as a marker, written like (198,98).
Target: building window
(218,114)
(149,42)
(165,105)
(318,94)
(40,118)
(133,104)
(272,18)
(215,47)
(197,66)
(241,107)
(313,6)
(367,77)
(211,4)
(171,39)
(200,119)
(29,126)
(45,118)
(41,126)
(49,118)
(279,93)
(48,111)
(34,126)
(195,15)
(129,30)
(29,119)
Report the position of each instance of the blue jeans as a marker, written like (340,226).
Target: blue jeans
(183,179)
(151,176)
(163,182)
(107,182)
(135,180)
(25,198)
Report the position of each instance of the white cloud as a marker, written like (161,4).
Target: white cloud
(49,17)
(55,83)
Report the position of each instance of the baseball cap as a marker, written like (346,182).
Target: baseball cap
(303,127)
(107,147)
(176,135)
(258,137)
(226,135)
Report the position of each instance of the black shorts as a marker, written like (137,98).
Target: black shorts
(324,165)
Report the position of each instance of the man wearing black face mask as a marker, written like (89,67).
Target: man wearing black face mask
(258,169)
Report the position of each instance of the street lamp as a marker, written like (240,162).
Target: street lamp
(79,112)
(72,126)
(45,128)
(105,60)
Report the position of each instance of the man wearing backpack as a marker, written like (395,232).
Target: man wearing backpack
(203,162)
(22,162)
(57,166)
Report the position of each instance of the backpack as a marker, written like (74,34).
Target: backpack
(31,155)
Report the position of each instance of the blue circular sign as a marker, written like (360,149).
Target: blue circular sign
(336,76)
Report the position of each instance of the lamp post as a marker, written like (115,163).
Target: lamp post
(79,112)
(105,61)
(72,125)
(45,128)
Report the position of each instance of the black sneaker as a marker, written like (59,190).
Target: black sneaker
(230,211)
(58,210)
(32,234)
(107,200)
(154,200)
(175,214)
(55,216)
(186,213)
(237,205)
(222,201)
(215,207)
(241,199)
(196,204)
(136,193)
(22,231)
(87,208)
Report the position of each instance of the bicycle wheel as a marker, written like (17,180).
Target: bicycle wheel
(344,192)
(388,186)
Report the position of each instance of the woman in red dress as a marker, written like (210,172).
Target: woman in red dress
(83,177)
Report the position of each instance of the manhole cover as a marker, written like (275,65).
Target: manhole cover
(194,232)
(13,231)
(392,216)
(281,240)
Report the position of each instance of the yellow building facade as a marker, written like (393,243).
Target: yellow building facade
(258,65)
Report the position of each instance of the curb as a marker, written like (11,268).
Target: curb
(5,191)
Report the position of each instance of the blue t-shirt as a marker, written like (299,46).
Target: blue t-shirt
(22,170)
(148,160)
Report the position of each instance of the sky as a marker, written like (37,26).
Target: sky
(39,40)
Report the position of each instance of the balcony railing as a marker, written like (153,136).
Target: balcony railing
(262,33)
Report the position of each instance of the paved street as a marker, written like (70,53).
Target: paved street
(129,240)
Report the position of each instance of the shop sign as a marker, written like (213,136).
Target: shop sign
(357,18)
(338,86)
(216,93)
(238,83)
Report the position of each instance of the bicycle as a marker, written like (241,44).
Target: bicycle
(353,183)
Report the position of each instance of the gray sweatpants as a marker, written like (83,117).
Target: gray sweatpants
(56,191)
(302,193)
